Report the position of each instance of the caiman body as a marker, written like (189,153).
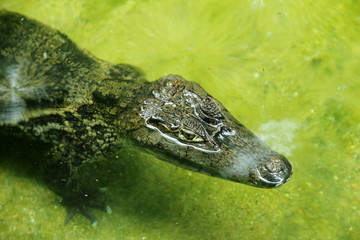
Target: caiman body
(82,110)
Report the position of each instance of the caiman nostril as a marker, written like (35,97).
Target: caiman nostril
(274,166)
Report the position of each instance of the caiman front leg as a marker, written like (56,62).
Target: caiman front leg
(78,182)
(76,164)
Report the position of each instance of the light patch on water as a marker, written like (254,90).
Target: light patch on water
(16,86)
(11,104)
(279,135)
(13,77)
(258,3)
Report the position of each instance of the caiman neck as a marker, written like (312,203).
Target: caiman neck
(119,93)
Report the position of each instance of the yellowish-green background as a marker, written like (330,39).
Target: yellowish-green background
(288,70)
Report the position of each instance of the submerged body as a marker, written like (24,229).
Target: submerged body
(80,111)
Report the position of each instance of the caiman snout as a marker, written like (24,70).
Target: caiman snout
(257,166)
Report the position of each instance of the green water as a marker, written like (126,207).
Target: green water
(288,70)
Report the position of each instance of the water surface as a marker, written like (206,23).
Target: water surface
(288,70)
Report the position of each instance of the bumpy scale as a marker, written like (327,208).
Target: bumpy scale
(80,110)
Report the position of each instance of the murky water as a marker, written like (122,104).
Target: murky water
(288,70)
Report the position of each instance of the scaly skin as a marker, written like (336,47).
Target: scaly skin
(80,111)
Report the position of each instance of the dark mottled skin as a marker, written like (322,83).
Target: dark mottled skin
(82,110)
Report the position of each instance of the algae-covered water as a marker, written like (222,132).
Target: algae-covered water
(288,70)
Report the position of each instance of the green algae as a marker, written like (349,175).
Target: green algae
(280,67)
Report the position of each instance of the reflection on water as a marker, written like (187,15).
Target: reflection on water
(281,134)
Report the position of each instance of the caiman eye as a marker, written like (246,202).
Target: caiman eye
(211,121)
(189,136)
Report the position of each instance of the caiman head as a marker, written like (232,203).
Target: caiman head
(184,125)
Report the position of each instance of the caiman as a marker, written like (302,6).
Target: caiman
(79,110)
